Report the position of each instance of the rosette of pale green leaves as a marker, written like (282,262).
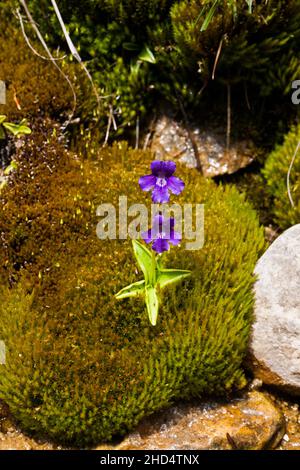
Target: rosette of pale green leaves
(155,278)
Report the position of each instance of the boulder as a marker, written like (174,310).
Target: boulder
(275,345)
(173,140)
(249,422)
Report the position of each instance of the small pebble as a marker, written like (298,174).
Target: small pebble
(256,384)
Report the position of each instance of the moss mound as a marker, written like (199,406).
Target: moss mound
(82,366)
(276,171)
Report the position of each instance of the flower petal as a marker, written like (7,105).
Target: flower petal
(169,168)
(167,227)
(160,245)
(175,185)
(147,182)
(157,167)
(175,238)
(148,236)
(172,223)
(162,168)
(160,195)
(158,221)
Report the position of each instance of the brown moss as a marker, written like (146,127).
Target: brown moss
(34,86)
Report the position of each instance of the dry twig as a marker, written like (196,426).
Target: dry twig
(289,175)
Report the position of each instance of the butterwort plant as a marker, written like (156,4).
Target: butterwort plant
(160,236)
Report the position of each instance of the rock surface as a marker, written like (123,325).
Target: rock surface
(291,438)
(250,422)
(11,438)
(275,344)
(173,140)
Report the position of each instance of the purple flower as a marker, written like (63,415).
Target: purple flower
(161,181)
(162,234)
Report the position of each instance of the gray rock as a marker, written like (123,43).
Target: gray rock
(173,140)
(275,344)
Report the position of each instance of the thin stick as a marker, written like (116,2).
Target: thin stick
(74,51)
(137,133)
(29,43)
(246,96)
(228,132)
(147,140)
(110,120)
(191,137)
(217,58)
(39,35)
(289,175)
(17,102)
(151,130)
(202,88)
(114,121)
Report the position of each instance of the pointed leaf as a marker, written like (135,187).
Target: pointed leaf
(135,67)
(2,184)
(24,129)
(17,129)
(131,46)
(13,128)
(249,3)
(13,166)
(133,290)
(2,118)
(232,4)
(170,276)
(2,133)
(145,261)
(152,304)
(209,16)
(199,16)
(146,55)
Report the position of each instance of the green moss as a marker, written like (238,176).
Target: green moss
(137,12)
(82,366)
(257,57)
(252,184)
(258,48)
(275,173)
